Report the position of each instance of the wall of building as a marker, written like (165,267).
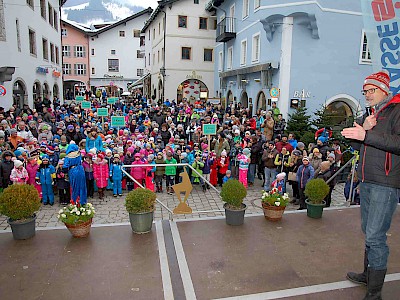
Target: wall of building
(15,52)
(325,68)
(75,37)
(125,50)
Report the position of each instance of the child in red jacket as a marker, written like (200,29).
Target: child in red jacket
(222,165)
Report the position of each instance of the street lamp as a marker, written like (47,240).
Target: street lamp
(162,72)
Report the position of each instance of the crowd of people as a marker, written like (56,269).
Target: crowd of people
(35,142)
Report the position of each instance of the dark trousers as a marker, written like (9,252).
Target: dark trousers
(64,195)
(90,187)
(302,198)
(295,188)
(170,180)
(328,198)
(220,178)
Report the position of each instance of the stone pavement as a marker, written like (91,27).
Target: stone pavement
(207,204)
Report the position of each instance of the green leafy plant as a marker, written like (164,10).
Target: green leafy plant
(316,190)
(233,192)
(19,201)
(75,213)
(273,198)
(140,201)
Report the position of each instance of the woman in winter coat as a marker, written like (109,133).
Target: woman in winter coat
(93,140)
(32,167)
(101,173)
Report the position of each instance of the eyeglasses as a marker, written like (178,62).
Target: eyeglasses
(369,91)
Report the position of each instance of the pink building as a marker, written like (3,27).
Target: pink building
(75,59)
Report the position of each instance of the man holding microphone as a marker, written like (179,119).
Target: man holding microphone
(379,171)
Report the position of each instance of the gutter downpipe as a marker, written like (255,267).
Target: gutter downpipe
(165,30)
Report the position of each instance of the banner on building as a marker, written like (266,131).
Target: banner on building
(381,24)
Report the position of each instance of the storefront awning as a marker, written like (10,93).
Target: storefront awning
(138,83)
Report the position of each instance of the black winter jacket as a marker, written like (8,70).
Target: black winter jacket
(380,151)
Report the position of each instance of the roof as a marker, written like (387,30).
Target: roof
(77,26)
(160,7)
(148,10)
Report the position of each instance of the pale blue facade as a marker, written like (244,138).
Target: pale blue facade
(309,50)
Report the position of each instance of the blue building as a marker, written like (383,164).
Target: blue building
(311,53)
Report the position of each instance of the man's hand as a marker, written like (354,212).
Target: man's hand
(369,122)
(355,133)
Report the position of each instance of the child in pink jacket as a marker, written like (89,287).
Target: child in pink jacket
(100,174)
(138,173)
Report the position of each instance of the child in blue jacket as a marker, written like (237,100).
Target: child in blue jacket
(116,175)
(45,175)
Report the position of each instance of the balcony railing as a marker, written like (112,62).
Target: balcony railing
(226,29)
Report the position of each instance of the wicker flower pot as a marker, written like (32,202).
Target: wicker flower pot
(80,230)
(273,213)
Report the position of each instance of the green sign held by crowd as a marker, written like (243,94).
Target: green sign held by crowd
(86,105)
(112,100)
(117,121)
(209,129)
(79,98)
(102,112)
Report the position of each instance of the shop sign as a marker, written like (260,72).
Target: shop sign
(301,94)
(113,76)
(42,70)
(117,121)
(274,92)
(102,112)
(56,73)
(194,76)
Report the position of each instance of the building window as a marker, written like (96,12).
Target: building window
(186,52)
(136,33)
(203,23)
(158,56)
(255,55)
(63,32)
(139,72)
(208,54)
(154,58)
(245,11)
(43,9)
(149,59)
(220,61)
(57,55)
(66,51)
(113,65)
(52,52)
(243,52)
(154,33)
(256,4)
(18,35)
(93,71)
(113,52)
(182,21)
(149,35)
(32,42)
(79,51)
(80,69)
(45,49)
(142,41)
(30,3)
(230,58)
(55,20)
(122,33)
(51,16)
(159,28)
(66,69)
(139,54)
(196,1)
(365,54)
(92,51)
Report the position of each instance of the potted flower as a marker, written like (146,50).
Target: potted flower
(232,193)
(316,190)
(274,204)
(77,218)
(140,204)
(19,202)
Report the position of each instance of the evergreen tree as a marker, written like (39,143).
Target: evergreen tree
(299,123)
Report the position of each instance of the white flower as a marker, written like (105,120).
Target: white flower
(78,213)
(277,203)
(83,213)
(60,211)
(58,216)
(82,209)
(63,215)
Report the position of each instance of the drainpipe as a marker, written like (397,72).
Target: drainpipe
(165,50)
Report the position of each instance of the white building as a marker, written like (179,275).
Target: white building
(186,68)
(30,41)
(115,59)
